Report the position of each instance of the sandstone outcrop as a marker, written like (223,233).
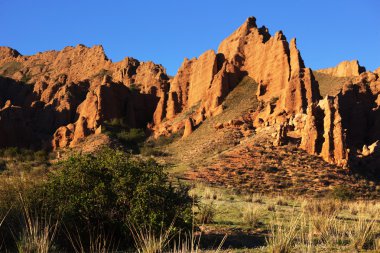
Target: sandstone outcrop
(189,127)
(344,69)
(201,84)
(66,95)
(340,129)
(274,64)
(62,97)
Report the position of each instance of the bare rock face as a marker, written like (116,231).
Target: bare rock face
(344,129)
(66,95)
(281,135)
(189,127)
(62,97)
(311,138)
(202,84)
(323,134)
(191,83)
(344,69)
(14,126)
(7,52)
(274,64)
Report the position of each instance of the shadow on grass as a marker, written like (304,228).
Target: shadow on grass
(238,240)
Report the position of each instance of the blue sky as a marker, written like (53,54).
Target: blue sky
(166,32)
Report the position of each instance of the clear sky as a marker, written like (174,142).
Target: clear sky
(167,31)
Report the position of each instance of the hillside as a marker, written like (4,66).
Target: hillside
(215,106)
(244,147)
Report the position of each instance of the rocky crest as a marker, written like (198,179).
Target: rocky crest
(61,97)
(344,69)
(203,83)
(66,95)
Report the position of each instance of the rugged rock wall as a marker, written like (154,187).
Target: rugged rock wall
(323,133)
(66,95)
(344,69)
(202,84)
(340,129)
(61,97)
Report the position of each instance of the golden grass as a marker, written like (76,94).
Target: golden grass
(297,224)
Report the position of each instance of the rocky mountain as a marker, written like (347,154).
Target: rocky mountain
(58,98)
(344,69)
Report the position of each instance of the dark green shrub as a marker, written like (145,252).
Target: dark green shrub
(108,189)
(116,122)
(131,138)
(41,155)
(3,165)
(11,152)
(26,155)
(342,193)
(206,213)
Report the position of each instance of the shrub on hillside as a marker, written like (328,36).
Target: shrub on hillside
(110,190)
(130,137)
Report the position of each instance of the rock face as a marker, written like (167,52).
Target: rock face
(62,97)
(274,64)
(189,127)
(341,128)
(344,69)
(201,84)
(323,134)
(66,95)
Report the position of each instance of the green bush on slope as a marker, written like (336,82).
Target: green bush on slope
(110,190)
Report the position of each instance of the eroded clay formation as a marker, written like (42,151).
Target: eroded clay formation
(61,97)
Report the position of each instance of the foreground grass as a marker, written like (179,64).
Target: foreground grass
(223,219)
(290,224)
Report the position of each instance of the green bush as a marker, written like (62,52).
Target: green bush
(11,152)
(343,193)
(41,155)
(116,122)
(109,190)
(206,213)
(131,138)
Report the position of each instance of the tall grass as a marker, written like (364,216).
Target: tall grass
(98,241)
(363,233)
(38,233)
(148,241)
(283,235)
(251,215)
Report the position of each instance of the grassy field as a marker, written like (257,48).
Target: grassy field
(265,223)
(224,219)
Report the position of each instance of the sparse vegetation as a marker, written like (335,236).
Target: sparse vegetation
(343,193)
(328,84)
(131,138)
(102,73)
(9,68)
